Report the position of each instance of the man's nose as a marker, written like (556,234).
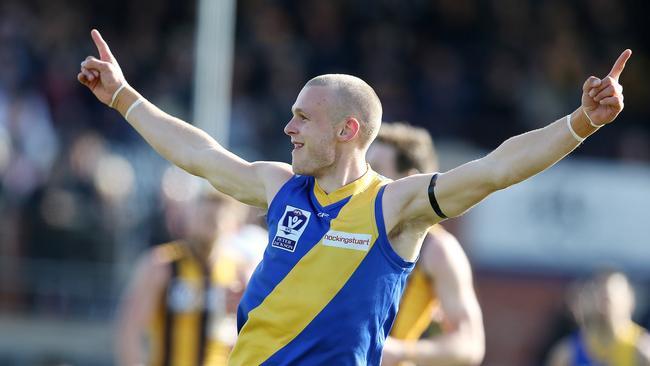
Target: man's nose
(290,128)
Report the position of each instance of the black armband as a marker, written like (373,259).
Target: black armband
(432,197)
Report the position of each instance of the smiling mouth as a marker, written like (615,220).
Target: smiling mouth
(297,145)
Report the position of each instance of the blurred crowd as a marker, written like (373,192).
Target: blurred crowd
(69,193)
(78,186)
(476,71)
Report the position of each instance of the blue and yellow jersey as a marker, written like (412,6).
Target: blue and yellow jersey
(416,307)
(419,299)
(621,353)
(184,328)
(328,288)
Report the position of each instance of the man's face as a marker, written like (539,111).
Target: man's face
(204,221)
(382,159)
(604,304)
(617,298)
(312,131)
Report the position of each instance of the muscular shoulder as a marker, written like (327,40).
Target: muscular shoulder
(441,238)
(277,170)
(255,183)
(442,252)
(274,175)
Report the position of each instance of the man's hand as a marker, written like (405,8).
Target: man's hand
(602,99)
(102,76)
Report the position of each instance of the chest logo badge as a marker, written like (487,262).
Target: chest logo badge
(290,228)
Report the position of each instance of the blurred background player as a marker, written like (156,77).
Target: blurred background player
(184,293)
(602,307)
(442,279)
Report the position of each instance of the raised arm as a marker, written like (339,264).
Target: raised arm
(177,141)
(517,159)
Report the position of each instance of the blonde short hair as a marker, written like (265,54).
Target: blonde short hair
(355,98)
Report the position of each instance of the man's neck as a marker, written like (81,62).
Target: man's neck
(343,174)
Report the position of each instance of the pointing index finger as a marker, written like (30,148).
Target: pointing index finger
(619,65)
(104,52)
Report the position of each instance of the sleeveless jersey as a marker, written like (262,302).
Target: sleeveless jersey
(419,300)
(417,305)
(184,327)
(328,287)
(621,353)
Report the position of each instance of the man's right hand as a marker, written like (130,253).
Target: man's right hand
(179,142)
(102,76)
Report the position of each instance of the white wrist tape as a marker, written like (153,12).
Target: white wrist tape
(135,104)
(590,121)
(575,135)
(115,95)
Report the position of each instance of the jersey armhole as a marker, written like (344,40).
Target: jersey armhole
(382,237)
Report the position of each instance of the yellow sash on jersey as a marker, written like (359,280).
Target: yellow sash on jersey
(620,353)
(314,280)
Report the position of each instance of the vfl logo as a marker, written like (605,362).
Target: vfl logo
(293,221)
(290,228)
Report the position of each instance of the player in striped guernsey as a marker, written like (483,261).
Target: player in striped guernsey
(317,301)
(441,282)
(183,292)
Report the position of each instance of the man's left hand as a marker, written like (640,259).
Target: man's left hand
(602,99)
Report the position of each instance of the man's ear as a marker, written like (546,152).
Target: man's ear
(349,129)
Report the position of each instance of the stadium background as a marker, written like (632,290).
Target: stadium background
(80,193)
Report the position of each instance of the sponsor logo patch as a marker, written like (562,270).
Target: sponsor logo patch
(341,239)
(290,228)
